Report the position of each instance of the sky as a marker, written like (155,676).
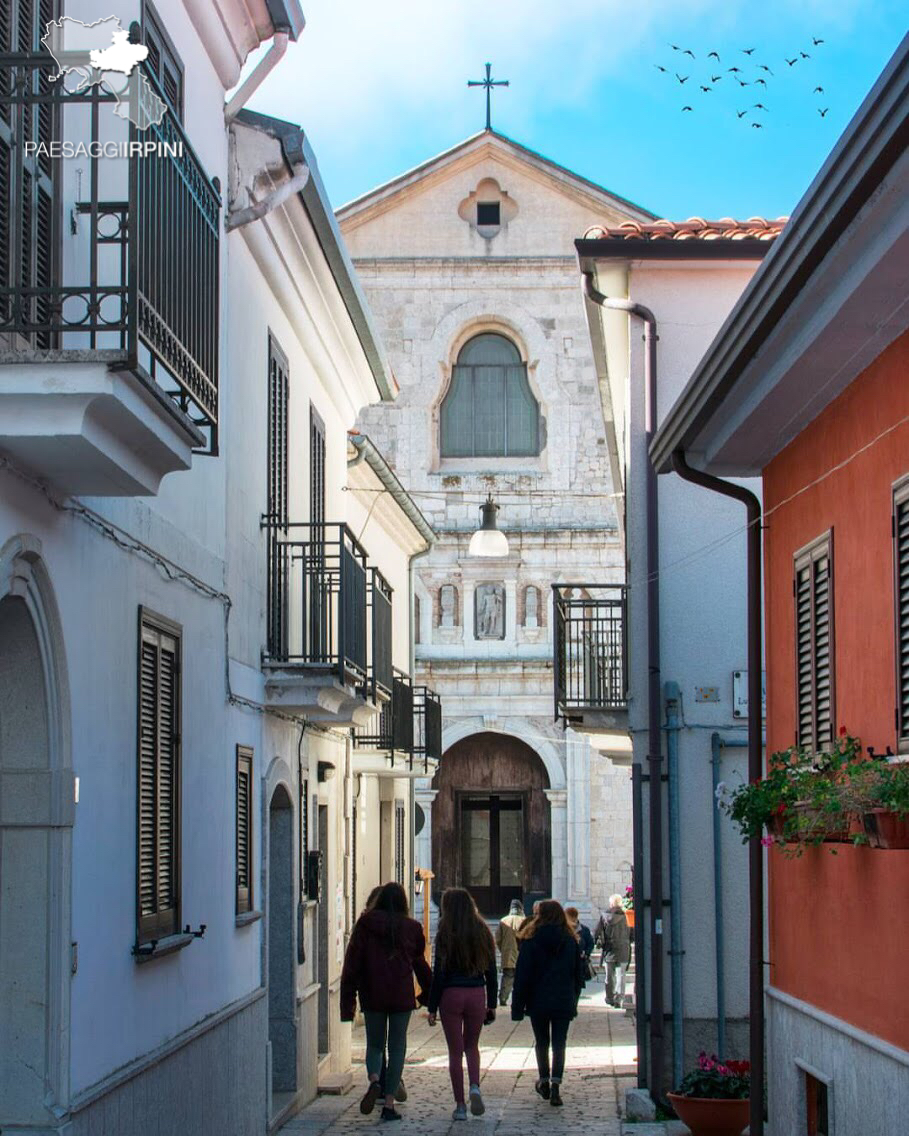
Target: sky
(381,87)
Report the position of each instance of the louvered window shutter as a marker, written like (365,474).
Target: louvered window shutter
(814,648)
(901,566)
(163,60)
(158,784)
(244,829)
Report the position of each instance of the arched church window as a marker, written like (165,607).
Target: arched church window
(489,410)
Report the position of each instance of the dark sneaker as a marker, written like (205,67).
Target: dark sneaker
(555,1097)
(389,1113)
(477,1107)
(368,1103)
(400,1093)
(542,1087)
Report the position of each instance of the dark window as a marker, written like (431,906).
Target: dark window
(901,605)
(163,61)
(814,645)
(488,213)
(316,468)
(244,829)
(158,858)
(489,409)
(818,1106)
(399,841)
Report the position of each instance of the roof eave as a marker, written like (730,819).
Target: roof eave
(592,250)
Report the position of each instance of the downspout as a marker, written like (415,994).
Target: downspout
(717,745)
(294,184)
(257,76)
(673,725)
(755,773)
(655,739)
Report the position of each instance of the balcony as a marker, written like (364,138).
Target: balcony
(329,625)
(590,656)
(405,736)
(109,266)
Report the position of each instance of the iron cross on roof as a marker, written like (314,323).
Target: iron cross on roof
(488,83)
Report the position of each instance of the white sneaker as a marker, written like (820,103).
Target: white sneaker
(476,1101)
(460,1113)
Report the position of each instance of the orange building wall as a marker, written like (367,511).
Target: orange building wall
(839,924)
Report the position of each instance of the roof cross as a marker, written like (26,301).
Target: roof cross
(488,83)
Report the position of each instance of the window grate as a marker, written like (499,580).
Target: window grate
(244,830)
(814,644)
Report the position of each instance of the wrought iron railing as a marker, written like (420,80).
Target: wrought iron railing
(590,648)
(115,248)
(316,600)
(408,727)
(428,719)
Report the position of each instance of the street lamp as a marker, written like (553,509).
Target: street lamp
(488,540)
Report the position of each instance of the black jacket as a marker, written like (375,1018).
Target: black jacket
(442,978)
(549,976)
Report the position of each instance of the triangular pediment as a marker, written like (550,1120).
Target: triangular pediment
(432,210)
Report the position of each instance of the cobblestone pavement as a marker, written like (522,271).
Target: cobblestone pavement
(600,1066)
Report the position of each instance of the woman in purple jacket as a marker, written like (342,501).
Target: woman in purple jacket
(386,949)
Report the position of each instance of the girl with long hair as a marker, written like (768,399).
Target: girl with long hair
(463,991)
(548,981)
(386,949)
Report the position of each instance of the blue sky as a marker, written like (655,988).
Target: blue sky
(380,88)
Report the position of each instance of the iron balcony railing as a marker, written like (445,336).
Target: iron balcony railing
(327,607)
(590,648)
(408,726)
(109,231)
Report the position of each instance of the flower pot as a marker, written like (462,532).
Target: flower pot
(629,915)
(885,829)
(708,1116)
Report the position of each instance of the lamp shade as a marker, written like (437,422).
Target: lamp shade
(488,540)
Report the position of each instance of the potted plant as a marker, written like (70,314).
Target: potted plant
(628,904)
(879,792)
(714,1099)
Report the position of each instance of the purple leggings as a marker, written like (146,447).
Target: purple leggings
(462,1011)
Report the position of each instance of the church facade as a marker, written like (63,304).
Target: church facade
(468,265)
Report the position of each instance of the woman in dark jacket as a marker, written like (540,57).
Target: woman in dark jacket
(548,981)
(463,991)
(386,950)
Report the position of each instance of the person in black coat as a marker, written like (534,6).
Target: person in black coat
(548,981)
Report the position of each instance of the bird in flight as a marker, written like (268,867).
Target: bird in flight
(740,113)
(687,108)
(742,82)
(688,51)
(818,91)
(804,55)
(823,112)
(715,78)
(659,68)
(764,67)
(816,41)
(682,78)
(763,82)
(713,55)
(792,61)
(733,69)
(703,88)
(759,106)
(757,126)
(748,50)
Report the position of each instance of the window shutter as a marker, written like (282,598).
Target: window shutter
(278,398)
(316,468)
(814,647)
(457,415)
(158,865)
(399,842)
(244,829)
(901,558)
(163,61)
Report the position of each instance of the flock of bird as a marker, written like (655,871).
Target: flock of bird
(757,77)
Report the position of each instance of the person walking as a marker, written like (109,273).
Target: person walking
(463,991)
(615,935)
(584,934)
(386,949)
(506,938)
(548,981)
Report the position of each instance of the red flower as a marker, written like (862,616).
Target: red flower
(842,731)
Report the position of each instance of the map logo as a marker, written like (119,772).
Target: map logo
(101,55)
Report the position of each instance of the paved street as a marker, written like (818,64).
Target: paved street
(601,1065)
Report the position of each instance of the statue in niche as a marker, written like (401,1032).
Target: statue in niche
(448,601)
(489,611)
(532,606)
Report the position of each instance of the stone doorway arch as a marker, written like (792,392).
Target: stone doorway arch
(491,821)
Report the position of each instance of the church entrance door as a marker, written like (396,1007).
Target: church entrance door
(492,849)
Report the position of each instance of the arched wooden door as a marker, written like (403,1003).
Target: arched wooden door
(491,821)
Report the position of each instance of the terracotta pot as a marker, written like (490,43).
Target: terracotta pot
(885,829)
(706,1116)
(629,915)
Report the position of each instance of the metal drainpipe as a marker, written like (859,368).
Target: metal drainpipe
(717,745)
(654,731)
(755,773)
(257,76)
(673,725)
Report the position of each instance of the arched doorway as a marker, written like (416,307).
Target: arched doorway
(282,1026)
(491,829)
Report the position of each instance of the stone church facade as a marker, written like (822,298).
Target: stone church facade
(468,264)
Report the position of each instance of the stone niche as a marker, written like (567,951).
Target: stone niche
(488,208)
(489,611)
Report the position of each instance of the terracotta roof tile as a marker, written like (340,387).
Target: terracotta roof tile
(694,229)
